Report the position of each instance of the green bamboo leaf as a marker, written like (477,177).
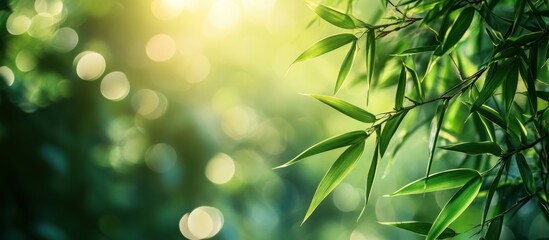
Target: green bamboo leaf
(437,182)
(336,17)
(326,45)
(373,168)
(543,95)
(389,130)
(529,74)
(490,195)
(510,87)
(491,114)
(417,82)
(342,140)
(414,51)
(522,40)
(496,74)
(455,206)
(494,230)
(475,148)
(456,31)
(346,108)
(371,55)
(401,89)
(345,67)
(526,174)
(421,228)
(433,136)
(488,126)
(337,172)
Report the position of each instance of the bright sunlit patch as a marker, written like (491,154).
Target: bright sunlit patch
(258,5)
(346,197)
(149,104)
(161,48)
(25,61)
(169,9)
(203,222)
(239,122)
(18,24)
(220,169)
(160,157)
(189,45)
(357,235)
(7,74)
(115,86)
(64,39)
(198,69)
(224,14)
(53,7)
(90,65)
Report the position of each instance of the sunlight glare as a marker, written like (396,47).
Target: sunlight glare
(25,61)
(203,222)
(224,14)
(115,86)
(53,7)
(90,65)
(18,24)
(7,74)
(198,69)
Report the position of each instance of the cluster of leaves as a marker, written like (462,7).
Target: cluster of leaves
(477,69)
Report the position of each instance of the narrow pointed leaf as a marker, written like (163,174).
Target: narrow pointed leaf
(346,108)
(389,130)
(342,140)
(526,174)
(437,182)
(433,137)
(421,228)
(494,230)
(543,95)
(492,115)
(488,127)
(417,82)
(336,17)
(326,45)
(457,30)
(529,78)
(510,87)
(455,206)
(345,67)
(496,75)
(371,55)
(401,89)
(490,195)
(417,50)
(475,148)
(373,168)
(337,172)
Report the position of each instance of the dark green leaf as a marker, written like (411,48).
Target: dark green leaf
(496,75)
(417,82)
(389,130)
(370,58)
(456,31)
(526,174)
(433,136)
(455,206)
(490,195)
(342,140)
(337,172)
(413,51)
(336,17)
(488,127)
(543,95)
(421,228)
(346,108)
(510,87)
(475,148)
(529,78)
(494,231)
(522,40)
(401,89)
(326,45)
(492,115)
(437,182)
(345,67)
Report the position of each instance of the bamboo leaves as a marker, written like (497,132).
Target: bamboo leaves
(437,182)
(326,45)
(421,228)
(345,67)
(346,108)
(336,17)
(475,148)
(456,31)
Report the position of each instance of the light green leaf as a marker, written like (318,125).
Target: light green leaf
(345,67)
(437,182)
(490,195)
(326,45)
(526,174)
(455,206)
(475,148)
(492,115)
(433,137)
(371,55)
(421,228)
(414,51)
(342,140)
(417,82)
(389,130)
(346,108)
(337,172)
(336,17)
(401,89)
(456,31)
(373,168)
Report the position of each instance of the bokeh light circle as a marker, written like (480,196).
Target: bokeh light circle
(90,65)
(160,157)
(115,86)
(7,74)
(149,104)
(18,24)
(161,48)
(202,223)
(220,169)
(64,39)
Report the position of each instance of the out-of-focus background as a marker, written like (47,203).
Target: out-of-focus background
(163,119)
